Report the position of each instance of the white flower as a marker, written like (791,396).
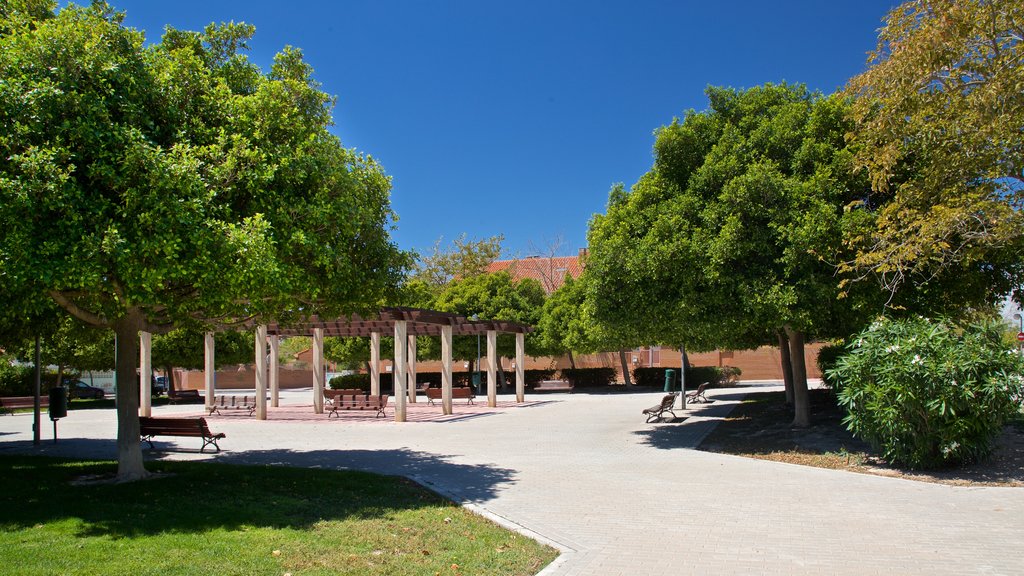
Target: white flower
(917,360)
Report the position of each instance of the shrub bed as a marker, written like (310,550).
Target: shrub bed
(929,393)
(589,377)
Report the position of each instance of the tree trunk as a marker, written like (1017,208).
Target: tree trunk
(169,372)
(129,449)
(625,368)
(801,406)
(572,361)
(501,375)
(787,366)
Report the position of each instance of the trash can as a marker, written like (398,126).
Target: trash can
(58,402)
(670,380)
(476,382)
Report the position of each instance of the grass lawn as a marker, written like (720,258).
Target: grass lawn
(201,518)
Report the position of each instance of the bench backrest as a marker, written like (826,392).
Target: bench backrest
(173,426)
(668,401)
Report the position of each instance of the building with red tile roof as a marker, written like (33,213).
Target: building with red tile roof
(549,271)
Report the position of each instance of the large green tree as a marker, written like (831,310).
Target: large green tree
(462,259)
(492,297)
(939,115)
(732,238)
(147,186)
(183,348)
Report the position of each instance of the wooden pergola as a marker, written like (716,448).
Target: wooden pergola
(405,323)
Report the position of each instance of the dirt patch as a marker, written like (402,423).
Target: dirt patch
(760,428)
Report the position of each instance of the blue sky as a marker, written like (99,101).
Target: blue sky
(516,118)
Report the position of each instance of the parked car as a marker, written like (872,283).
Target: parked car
(79,389)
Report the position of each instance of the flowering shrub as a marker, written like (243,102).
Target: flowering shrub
(929,393)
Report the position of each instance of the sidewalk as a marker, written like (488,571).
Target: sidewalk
(619,496)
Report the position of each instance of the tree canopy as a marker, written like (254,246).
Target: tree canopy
(146,186)
(462,259)
(735,233)
(938,119)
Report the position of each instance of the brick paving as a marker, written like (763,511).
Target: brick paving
(616,495)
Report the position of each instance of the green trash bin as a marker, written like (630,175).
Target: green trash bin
(670,380)
(476,382)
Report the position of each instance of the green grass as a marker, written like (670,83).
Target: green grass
(201,518)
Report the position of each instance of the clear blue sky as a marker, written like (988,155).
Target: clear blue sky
(517,117)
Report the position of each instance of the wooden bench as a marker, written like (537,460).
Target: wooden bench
(11,403)
(457,392)
(358,402)
(184,397)
(553,386)
(192,427)
(698,394)
(331,394)
(233,403)
(655,412)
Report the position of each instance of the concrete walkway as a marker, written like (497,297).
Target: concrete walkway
(619,496)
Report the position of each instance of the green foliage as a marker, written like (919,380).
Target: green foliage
(464,258)
(185,181)
(695,376)
(589,377)
(532,377)
(938,116)
(149,186)
(652,377)
(19,380)
(828,357)
(361,381)
(736,230)
(929,393)
(184,348)
(491,297)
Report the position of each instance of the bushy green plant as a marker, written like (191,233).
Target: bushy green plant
(728,376)
(698,375)
(589,377)
(929,393)
(19,380)
(828,356)
(649,376)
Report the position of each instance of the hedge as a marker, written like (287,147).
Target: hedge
(695,376)
(589,377)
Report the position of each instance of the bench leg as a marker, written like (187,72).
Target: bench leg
(208,442)
(149,440)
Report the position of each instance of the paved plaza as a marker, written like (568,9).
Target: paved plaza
(618,496)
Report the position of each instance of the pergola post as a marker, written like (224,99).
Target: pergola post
(318,370)
(208,367)
(145,374)
(446,369)
(260,351)
(492,376)
(412,368)
(520,369)
(375,363)
(275,374)
(399,373)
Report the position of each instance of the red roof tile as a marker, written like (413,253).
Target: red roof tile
(550,272)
